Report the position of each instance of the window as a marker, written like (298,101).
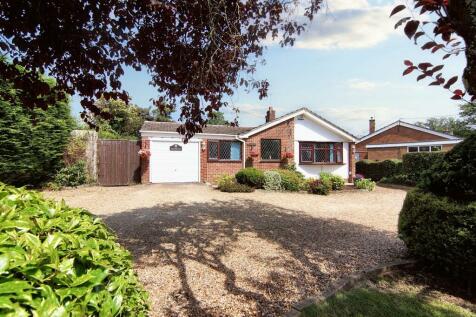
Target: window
(424,148)
(224,150)
(271,149)
(320,153)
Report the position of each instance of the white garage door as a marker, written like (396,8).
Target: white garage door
(174,162)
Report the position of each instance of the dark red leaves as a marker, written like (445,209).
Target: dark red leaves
(424,66)
(420,77)
(450,82)
(407,62)
(409,70)
(437,68)
(401,21)
(428,45)
(397,9)
(411,28)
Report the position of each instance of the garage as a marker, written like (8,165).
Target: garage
(172,161)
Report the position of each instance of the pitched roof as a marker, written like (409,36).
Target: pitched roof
(296,113)
(209,129)
(408,125)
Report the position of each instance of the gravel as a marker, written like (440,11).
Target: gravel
(200,252)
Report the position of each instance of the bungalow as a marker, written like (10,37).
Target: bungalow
(398,138)
(313,143)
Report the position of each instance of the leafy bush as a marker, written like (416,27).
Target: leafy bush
(414,164)
(337,181)
(272,180)
(440,232)
(75,150)
(376,170)
(225,180)
(400,179)
(72,176)
(32,141)
(319,186)
(61,261)
(250,176)
(455,174)
(236,188)
(365,183)
(291,180)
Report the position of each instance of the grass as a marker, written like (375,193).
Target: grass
(389,299)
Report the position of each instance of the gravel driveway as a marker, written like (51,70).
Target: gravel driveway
(200,252)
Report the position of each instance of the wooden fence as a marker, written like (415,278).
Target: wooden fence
(118,162)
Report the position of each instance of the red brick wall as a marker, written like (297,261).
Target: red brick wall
(210,170)
(145,162)
(283,131)
(351,162)
(397,134)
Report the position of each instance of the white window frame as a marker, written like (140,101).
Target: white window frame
(429,147)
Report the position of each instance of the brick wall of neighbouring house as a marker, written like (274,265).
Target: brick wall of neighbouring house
(283,131)
(209,171)
(397,134)
(351,162)
(145,162)
(380,154)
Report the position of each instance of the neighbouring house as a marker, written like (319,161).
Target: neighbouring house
(302,137)
(398,138)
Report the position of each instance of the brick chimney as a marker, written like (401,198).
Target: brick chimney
(371,125)
(270,114)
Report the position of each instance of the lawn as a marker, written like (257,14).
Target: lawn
(398,298)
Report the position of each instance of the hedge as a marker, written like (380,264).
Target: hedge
(440,232)
(32,141)
(414,164)
(454,175)
(250,176)
(62,261)
(376,170)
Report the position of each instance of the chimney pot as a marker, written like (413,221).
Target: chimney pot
(270,114)
(371,125)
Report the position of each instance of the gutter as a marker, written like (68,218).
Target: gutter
(244,150)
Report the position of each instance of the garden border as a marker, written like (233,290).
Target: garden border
(347,283)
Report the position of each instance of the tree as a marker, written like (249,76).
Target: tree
(218,118)
(197,52)
(446,125)
(453,32)
(125,120)
(32,141)
(163,113)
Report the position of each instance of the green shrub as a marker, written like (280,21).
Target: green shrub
(72,176)
(319,186)
(400,179)
(291,180)
(250,176)
(440,232)
(225,180)
(455,174)
(272,180)
(414,164)
(32,141)
(364,183)
(376,170)
(236,188)
(337,181)
(61,261)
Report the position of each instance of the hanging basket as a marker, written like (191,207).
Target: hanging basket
(144,153)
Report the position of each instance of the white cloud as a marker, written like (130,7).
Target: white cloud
(359,84)
(348,24)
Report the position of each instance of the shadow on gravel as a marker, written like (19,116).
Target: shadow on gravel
(205,232)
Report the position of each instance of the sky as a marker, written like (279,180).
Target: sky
(346,67)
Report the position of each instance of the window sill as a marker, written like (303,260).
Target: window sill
(224,161)
(304,163)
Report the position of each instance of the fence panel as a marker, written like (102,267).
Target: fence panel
(118,162)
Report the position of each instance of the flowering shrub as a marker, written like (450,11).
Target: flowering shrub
(319,186)
(272,180)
